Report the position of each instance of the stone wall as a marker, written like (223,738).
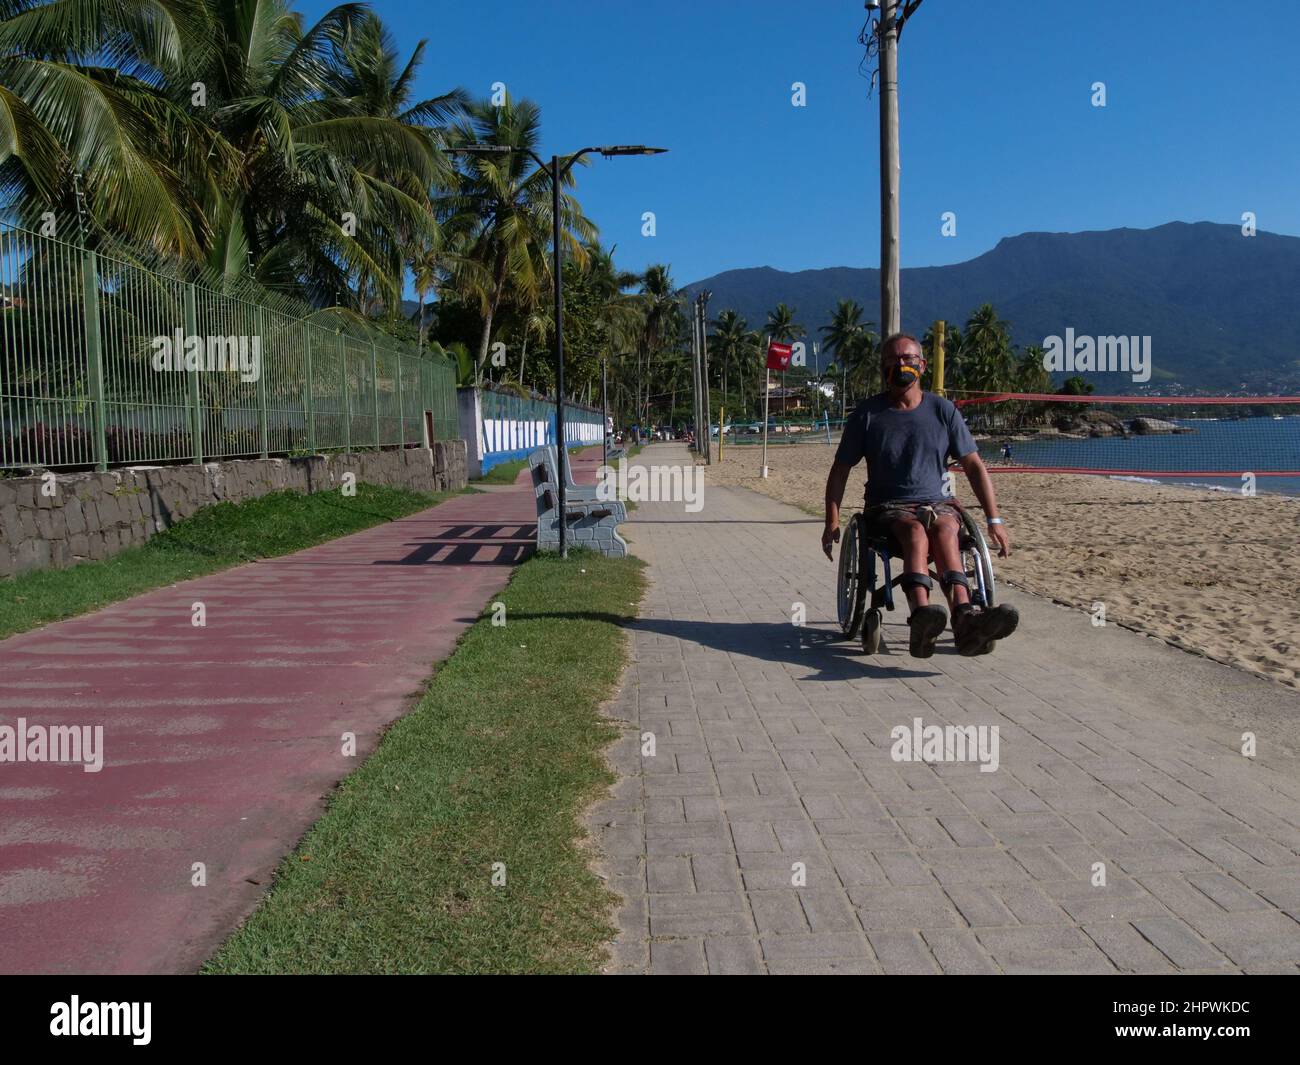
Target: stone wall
(95,515)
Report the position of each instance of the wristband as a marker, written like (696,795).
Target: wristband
(996,521)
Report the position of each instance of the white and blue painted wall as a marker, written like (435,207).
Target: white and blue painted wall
(500,427)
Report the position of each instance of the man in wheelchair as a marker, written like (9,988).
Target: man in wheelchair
(906,436)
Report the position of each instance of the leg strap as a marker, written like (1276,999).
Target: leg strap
(954,576)
(919,580)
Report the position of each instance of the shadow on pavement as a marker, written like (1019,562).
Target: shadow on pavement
(469,543)
(832,656)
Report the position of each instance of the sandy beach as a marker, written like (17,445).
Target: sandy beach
(1212,572)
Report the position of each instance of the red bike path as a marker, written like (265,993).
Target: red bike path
(222,742)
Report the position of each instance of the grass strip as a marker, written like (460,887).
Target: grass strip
(495,765)
(506,472)
(214,538)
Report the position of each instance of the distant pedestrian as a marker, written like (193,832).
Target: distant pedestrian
(1006,452)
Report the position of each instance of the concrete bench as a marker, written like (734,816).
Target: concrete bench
(590,522)
(573,490)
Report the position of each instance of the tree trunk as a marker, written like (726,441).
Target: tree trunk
(484,341)
(498,285)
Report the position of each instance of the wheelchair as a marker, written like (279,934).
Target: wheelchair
(865,568)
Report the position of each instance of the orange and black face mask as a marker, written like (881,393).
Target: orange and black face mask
(902,374)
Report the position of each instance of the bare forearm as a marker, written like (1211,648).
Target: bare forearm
(981,483)
(980,480)
(835,484)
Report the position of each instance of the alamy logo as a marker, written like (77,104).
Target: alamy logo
(652,484)
(242,354)
(946,743)
(1110,354)
(55,743)
(103,1018)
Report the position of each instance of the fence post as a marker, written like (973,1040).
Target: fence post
(196,417)
(94,357)
(347,397)
(401,410)
(374,386)
(310,405)
(262,428)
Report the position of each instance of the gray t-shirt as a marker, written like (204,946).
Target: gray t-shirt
(906,450)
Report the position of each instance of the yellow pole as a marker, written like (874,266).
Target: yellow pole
(722,429)
(940,327)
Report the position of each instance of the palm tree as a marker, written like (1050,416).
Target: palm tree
(734,343)
(782,328)
(662,321)
(854,344)
(371,80)
(74,121)
(620,313)
(781,325)
(225,131)
(988,362)
(505,200)
(323,184)
(425,265)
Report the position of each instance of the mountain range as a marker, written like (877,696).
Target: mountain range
(1222,308)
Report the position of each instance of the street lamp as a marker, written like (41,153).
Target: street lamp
(557,259)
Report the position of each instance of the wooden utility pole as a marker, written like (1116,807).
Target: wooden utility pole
(891,308)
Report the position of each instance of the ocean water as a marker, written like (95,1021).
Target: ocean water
(1258,445)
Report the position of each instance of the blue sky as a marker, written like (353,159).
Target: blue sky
(997,120)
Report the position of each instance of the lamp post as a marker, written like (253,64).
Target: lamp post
(557,268)
(604,412)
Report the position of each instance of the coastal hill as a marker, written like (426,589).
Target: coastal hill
(1222,309)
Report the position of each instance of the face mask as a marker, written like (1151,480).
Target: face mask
(901,375)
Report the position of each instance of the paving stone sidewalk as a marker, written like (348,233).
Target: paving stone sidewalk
(772,754)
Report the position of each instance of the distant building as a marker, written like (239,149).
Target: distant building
(787,400)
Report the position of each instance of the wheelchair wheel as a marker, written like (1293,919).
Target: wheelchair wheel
(871,632)
(851,592)
(977,561)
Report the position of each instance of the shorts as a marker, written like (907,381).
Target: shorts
(880,518)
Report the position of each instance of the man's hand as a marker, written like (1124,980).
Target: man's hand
(830,537)
(835,483)
(1001,538)
(982,483)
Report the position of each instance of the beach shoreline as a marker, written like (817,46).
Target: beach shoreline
(1205,569)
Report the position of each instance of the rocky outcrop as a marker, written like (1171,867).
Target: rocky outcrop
(1151,426)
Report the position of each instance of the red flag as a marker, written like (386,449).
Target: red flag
(778,356)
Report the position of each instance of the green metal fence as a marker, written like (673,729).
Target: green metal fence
(105,360)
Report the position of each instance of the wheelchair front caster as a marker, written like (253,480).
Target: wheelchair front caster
(871,632)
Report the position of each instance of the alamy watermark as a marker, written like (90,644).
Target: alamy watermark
(946,743)
(54,743)
(1108,354)
(74,1017)
(241,354)
(652,484)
